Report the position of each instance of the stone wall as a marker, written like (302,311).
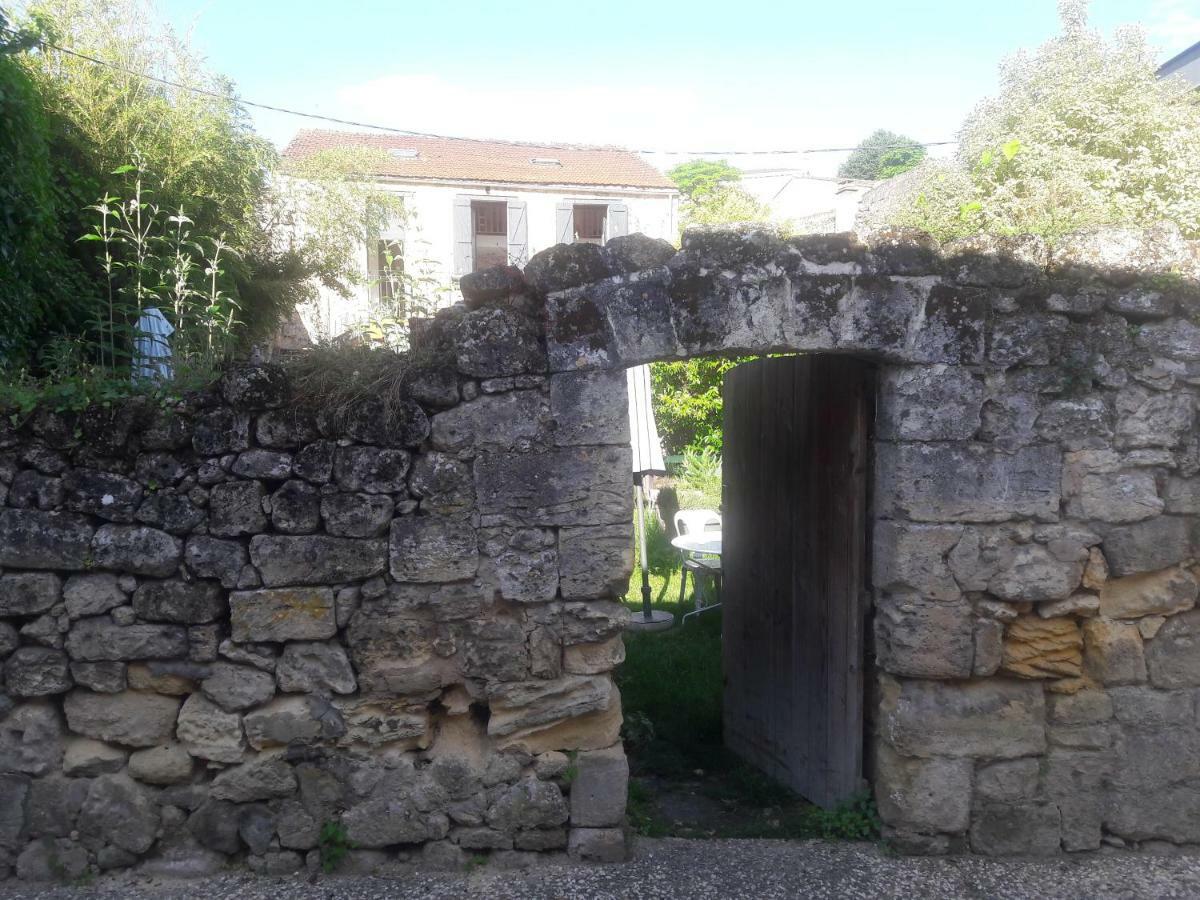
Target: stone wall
(227,624)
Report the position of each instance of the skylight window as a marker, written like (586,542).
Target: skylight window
(403,153)
(545,161)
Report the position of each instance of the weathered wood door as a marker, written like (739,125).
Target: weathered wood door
(796,467)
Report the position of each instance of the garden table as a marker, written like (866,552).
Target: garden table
(704,544)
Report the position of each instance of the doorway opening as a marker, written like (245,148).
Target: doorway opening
(748,719)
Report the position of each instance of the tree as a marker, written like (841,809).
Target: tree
(700,177)
(687,402)
(881,155)
(82,123)
(1083,132)
(726,204)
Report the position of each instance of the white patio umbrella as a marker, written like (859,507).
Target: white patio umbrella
(647,460)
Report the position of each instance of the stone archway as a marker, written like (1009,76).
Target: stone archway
(245,609)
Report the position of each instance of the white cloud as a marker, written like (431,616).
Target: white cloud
(1173,25)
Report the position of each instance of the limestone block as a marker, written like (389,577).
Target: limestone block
(28,593)
(993,560)
(314,462)
(528,804)
(912,557)
(356,515)
(930,482)
(929,403)
(544,489)
(589,408)
(136,549)
(263,778)
(1113,651)
(86,758)
(1080,604)
(992,718)
(922,794)
(1147,419)
(521,563)
(1016,829)
(593,659)
(600,787)
(433,549)
(100,638)
(131,718)
(57,859)
(1121,497)
(498,341)
(921,639)
(989,646)
(176,679)
(91,594)
(315,559)
(594,561)
(294,719)
(234,687)
(370,470)
(169,763)
(120,812)
(1155,593)
(282,614)
(522,705)
(209,557)
(512,421)
(1182,495)
(283,429)
(1075,422)
(270,465)
(382,721)
(315,667)
(295,508)
(444,484)
(37,672)
(255,386)
(1172,657)
(1095,571)
(182,602)
(44,540)
(31,739)
(1147,546)
(1007,781)
(104,494)
(208,732)
(1043,648)
(236,508)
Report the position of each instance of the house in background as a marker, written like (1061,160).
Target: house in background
(1185,64)
(807,204)
(476,203)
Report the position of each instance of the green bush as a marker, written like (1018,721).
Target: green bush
(1082,133)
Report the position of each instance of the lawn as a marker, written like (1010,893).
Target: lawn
(685,782)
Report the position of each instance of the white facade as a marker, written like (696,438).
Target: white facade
(807,203)
(430,235)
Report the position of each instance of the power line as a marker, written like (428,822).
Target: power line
(447,137)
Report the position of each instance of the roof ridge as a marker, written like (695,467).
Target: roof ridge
(543,145)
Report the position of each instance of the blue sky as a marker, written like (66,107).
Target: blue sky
(743,75)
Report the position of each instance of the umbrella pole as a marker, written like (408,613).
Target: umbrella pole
(641,509)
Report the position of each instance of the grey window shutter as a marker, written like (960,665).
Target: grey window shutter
(464,237)
(518,233)
(565,222)
(618,220)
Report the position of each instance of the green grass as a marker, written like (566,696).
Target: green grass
(671,690)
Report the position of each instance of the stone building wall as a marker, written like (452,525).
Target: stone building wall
(227,624)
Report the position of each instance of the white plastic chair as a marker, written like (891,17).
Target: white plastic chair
(697,521)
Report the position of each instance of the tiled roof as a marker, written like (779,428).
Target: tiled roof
(459,159)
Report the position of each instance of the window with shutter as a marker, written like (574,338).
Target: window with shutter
(589,221)
(389,270)
(490,219)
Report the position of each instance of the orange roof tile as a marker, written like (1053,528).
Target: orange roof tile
(460,159)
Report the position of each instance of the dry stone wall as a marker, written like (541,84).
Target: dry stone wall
(226,625)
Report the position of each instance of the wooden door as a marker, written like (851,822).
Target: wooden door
(796,464)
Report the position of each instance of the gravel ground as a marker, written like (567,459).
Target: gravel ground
(674,867)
